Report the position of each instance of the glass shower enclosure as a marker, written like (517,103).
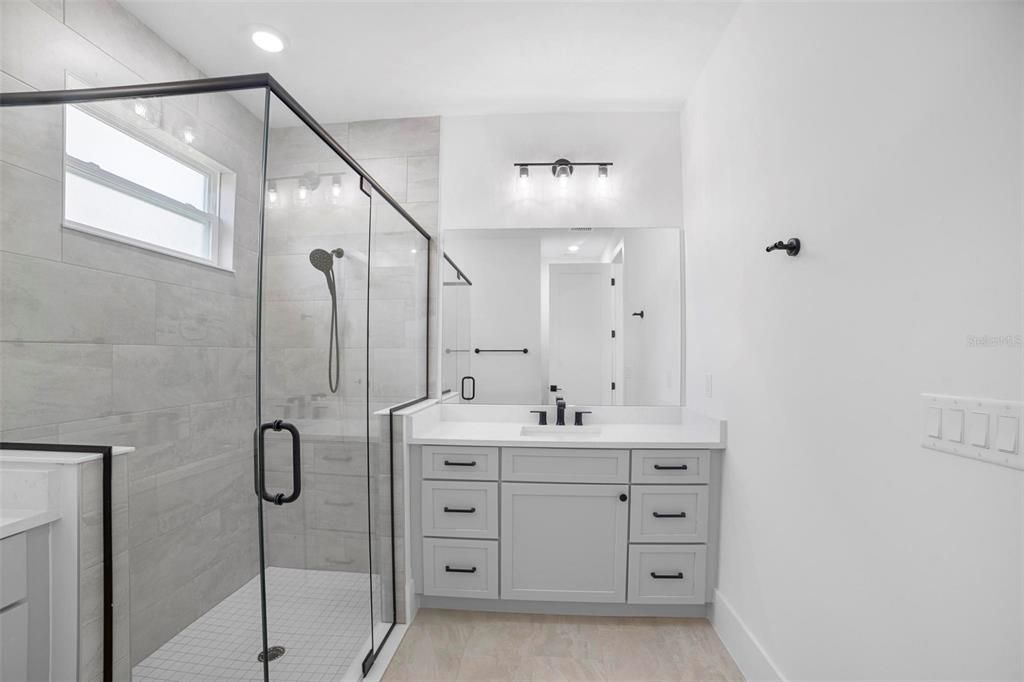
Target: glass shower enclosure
(248,348)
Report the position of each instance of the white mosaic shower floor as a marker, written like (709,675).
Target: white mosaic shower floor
(322,618)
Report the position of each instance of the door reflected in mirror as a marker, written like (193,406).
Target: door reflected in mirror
(593,315)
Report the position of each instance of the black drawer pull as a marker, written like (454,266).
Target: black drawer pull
(449,569)
(667,576)
(659,515)
(448,463)
(671,467)
(456,510)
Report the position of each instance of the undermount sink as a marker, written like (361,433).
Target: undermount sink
(562,431)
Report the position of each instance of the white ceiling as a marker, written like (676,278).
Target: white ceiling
(350,61)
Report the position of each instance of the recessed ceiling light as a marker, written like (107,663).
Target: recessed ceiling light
(267,40)
(574,247)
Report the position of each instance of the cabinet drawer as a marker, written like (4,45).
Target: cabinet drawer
(667,574)
(460,509)
(13,570)
(565,465)
(671,466)
(668,513)
(460,568)
(460,461)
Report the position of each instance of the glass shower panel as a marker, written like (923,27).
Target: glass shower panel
(316,262)
(397,373)
(146,349)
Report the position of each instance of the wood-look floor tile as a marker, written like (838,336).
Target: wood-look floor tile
(470,646)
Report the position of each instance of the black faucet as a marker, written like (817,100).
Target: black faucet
(560,412)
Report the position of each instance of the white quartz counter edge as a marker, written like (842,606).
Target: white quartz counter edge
(56,456)
(14,521)
(708,435)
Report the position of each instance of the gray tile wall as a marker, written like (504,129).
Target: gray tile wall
(106,343)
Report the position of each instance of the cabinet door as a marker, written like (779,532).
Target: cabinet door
(564,542)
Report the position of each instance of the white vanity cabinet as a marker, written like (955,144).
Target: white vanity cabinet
(635,527)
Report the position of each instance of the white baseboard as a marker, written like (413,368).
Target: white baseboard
(753,661)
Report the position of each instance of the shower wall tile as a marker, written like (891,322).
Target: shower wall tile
(118,33)
(153,377)
(43,300)
(46,383)
(30,207)
(220,427)
(394,137)
(159,437)
(38,49)
(194,317)
(422,181)
(392,174)
(30,138)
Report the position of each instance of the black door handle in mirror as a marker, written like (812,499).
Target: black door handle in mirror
(679,515)
(449,463)
(671,467)
(449,569)
(458,510)
(261,485)
(667,576)
(466,395)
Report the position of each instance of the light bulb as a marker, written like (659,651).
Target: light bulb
(413,251)
(336,186)
(574,248)
(272,193)
(303,192)
(141,108)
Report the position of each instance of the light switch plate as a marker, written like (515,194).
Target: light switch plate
(1007,428)
(980,429)
(953,424)
(977,429)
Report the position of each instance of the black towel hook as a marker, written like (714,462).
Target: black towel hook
(792,247)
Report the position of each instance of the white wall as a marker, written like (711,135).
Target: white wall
(889,138)
(479,187)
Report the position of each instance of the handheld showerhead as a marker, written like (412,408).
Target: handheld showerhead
(321,260)
(324,262)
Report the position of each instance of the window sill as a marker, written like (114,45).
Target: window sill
(145,246)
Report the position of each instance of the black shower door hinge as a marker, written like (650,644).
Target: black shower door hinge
(368,662)
(613,333)
(613,281)
(613,385)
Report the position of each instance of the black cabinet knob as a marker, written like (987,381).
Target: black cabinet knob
(622,497)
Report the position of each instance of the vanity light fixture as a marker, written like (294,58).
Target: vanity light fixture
(303,190)
(272,192)
(335,186)
(267,40)
(562,169)
(188,134)
(141,108)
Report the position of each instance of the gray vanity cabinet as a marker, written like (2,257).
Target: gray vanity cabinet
(569,524)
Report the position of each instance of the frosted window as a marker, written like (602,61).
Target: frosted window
(96,205)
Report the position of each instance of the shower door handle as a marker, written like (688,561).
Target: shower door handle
(261,486)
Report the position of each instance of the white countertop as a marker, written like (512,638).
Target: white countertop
(14,521)
(57,456)
(700,434)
